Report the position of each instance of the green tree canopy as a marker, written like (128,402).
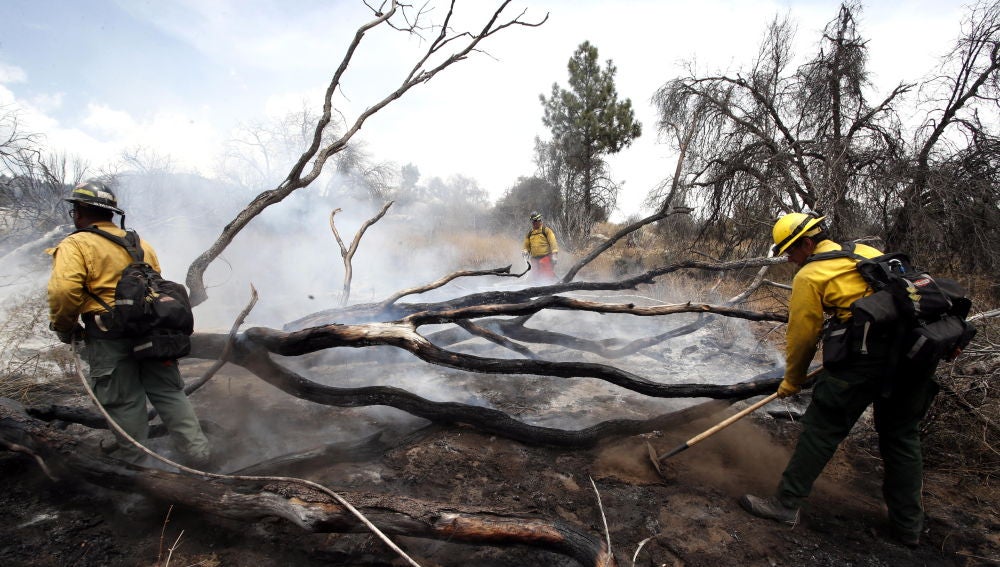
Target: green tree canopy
(587,122)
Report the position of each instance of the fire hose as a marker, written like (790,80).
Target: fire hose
(78,366)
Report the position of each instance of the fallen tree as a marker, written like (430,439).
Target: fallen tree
(244,499)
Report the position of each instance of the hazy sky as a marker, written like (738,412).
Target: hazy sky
(99,76)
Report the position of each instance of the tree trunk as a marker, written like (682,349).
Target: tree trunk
(252,499)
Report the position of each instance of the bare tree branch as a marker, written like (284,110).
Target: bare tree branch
(347,254)
(318,155)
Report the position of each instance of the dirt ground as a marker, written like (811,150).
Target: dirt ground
(688,516)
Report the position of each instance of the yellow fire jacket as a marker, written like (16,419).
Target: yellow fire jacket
(92,260)
(827,286)
(541,242)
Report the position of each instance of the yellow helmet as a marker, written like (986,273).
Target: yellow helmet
(793,226)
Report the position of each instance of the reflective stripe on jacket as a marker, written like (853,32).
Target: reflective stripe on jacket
(541,242)
(825,286)
(87,259)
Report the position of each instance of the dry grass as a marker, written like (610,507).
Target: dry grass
(33,364)
(479,251)
(962,430)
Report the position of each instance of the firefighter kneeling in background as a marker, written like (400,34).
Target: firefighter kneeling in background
(541,247)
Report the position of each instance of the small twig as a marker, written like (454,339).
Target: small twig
(170,552)
(347,253)
(638,549)
(495,338)
(501,272)
(221,361)
(960,401)
(991,560)
(226,349)
(604,519)
(163,531)
(985,315)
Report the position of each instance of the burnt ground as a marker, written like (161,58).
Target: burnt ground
(687,516)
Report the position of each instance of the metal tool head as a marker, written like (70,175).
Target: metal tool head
(654,459)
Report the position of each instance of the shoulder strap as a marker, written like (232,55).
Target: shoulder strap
(130,242)
(844,252)
(131,245)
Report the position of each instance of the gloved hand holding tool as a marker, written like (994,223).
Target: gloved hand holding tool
(68,337)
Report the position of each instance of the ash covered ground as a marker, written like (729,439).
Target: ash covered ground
(688,515)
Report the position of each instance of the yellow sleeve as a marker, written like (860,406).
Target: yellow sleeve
(805,322)
(553,245)
(149,256)
(65,290)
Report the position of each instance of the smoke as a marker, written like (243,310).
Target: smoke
(289,254)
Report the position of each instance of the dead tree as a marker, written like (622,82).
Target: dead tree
(253,348)
(347,253)
(389,309)
(448,47)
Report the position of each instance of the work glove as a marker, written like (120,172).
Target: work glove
(555,258)
(786,389)
(524,253)
(67,337)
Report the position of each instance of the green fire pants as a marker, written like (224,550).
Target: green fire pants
(122,384)
(839,399)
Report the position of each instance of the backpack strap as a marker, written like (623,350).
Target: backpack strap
(546,231)
(131,245)
(130,242)
(844,252)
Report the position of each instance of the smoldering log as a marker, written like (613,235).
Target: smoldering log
(487,420)
(243,499)
(382,311)
(403,336)
(253,347)
(607,348)
(256,359)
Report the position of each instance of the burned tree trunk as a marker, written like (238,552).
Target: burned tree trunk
(256,498)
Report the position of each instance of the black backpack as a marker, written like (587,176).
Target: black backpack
(925,313)
(155,312)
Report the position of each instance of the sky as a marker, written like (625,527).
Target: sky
(178,77)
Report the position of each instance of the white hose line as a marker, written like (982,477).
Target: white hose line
(111,422)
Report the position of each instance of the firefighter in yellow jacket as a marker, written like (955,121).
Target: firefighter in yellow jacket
(541,247)
(869,371)
(121,382)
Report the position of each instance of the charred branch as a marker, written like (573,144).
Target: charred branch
(243,499)
(499,272)
(257,360)
(383,311)
(608,348)
(496,338)
(260,341)
(663,213)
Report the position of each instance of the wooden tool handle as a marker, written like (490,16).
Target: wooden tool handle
(731,419)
